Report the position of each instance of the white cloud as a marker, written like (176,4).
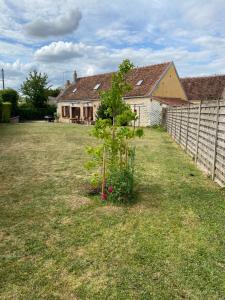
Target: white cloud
(59,51)
(56,26)
(64,51)
(119,34)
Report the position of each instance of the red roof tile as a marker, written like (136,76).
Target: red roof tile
(85,85)
(171,101)
(204,88)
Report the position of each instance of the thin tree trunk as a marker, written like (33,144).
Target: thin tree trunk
(103,171)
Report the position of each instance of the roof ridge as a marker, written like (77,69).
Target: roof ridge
(164,63)
(136,68)
(203,76)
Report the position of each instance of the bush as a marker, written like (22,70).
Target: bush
(120,181)
(6,112)
(10,95)
(0,109)
(102,112)
(126,117)
(28,112)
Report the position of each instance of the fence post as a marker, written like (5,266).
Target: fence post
(171,121)
(175,133)
(163,119)
(198,128)
(216,138)
(188,114)
(180,124)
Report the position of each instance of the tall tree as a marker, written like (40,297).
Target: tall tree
(53,92)
(35,87)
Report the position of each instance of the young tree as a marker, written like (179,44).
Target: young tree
(113,98)
(35,87)
(114,158)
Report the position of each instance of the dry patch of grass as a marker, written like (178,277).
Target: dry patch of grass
(76,201)
(190,219)
(109,209)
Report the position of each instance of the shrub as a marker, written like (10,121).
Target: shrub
(28,112)
(120,182)
(102,112)
(6,112)
(0,109)
(126,117)
(10,95)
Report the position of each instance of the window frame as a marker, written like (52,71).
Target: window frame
(66,111)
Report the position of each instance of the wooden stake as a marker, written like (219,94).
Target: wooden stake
(103,171)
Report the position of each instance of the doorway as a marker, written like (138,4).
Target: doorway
(88,113)
(76,113)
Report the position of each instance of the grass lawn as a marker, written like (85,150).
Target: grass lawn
(55,243)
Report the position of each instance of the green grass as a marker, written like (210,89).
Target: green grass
(55,243)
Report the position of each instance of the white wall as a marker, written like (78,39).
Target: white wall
(150,111)
(142,104)
(155,113)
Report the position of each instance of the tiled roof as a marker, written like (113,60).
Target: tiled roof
(204,88)
(85,85)
(171,101)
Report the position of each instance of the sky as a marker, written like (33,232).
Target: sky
(90,36)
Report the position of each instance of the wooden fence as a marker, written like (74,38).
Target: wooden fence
(200,130)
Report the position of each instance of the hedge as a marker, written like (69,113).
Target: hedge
(0,109)
(6,112)
(27,112)
(10,95)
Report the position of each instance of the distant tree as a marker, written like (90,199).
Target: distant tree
(35,87)
(53,92)
(12,96)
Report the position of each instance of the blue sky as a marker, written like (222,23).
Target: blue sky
(93,36)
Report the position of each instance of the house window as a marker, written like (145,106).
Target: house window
(139,82)
(88,113)
(97,86)
(65,111)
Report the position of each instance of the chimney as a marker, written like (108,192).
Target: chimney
(67,83)
(74,76)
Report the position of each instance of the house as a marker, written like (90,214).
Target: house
(204,88)
(153,87)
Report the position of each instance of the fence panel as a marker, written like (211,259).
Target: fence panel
(200,130)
